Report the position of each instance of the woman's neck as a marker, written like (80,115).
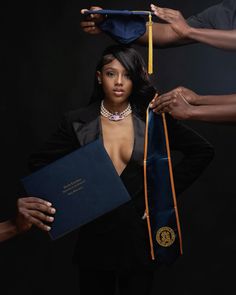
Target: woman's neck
(115,107)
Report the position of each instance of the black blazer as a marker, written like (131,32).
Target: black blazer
(119,239)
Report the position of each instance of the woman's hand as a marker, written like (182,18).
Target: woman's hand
(90,24)
(33,211)
(174,18)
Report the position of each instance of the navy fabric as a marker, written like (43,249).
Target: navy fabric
(161,205)
(119,12)
(221,16)
(124,28)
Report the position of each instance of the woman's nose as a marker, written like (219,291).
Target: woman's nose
(119,80)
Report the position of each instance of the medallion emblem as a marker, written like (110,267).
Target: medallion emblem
(165,236)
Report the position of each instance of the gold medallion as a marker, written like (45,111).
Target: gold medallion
(165,236)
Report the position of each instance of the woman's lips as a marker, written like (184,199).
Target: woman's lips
(118,92)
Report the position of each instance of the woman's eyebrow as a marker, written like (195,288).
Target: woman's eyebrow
(109,68)
(114,69)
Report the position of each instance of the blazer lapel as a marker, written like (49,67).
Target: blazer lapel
(88,127)
(139,134)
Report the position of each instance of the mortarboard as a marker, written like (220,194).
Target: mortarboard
(125,26)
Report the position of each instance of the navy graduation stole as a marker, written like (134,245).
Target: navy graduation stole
(160,198)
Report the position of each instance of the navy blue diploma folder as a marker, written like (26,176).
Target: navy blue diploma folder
(82,186)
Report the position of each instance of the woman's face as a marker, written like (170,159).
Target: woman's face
(116,83)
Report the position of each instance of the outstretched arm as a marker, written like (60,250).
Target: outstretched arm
(30,211)
(184,104)
(8,230)
(224,39)
(163,36)
(173,32)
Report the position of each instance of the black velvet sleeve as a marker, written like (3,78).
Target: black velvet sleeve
(196,152)
(62,142)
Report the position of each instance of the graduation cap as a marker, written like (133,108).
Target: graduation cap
(126,26)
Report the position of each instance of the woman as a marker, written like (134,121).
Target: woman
(115,248)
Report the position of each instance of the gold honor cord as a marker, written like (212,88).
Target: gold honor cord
(145,186)
(172,181)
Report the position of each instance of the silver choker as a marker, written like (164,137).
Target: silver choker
(116,116)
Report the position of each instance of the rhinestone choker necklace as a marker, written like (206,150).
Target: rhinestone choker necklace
(116,116)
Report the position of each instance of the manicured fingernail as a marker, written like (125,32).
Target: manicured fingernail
(49,204)
(53,210)
(47,228)
(50,218)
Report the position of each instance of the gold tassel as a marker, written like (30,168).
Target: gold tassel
(150,46)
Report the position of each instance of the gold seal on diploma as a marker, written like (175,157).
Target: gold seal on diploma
(165,236)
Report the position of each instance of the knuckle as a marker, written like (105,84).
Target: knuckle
(180,88)
(39,207)
(28,217)
(40,215)
(21,211)
(19,202)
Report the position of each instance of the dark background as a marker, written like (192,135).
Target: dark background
(48,68)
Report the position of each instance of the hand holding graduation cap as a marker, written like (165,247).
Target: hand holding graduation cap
(174,18)
(170,16)
(89,25)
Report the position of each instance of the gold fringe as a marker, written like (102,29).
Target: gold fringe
(150,46)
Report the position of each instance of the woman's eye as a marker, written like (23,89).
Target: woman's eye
(127,76)
(110,74)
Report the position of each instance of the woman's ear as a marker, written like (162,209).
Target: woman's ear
(98,74)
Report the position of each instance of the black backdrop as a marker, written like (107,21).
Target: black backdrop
(48,68)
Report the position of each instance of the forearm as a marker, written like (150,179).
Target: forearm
(7,230)
(214,113)
(224,39)
(163,36)
(227,99)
